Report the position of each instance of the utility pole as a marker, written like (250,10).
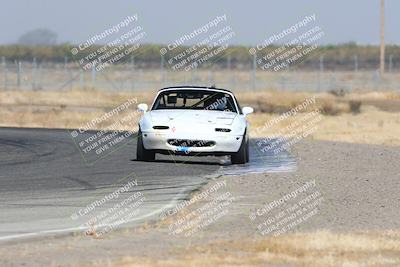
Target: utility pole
(382,58)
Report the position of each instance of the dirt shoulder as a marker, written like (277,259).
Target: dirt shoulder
(356,220)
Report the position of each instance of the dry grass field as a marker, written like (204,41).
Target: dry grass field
(320,249)
(375,119)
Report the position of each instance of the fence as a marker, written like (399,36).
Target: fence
(129,77)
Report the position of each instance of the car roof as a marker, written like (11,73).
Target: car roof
(189,87)
(194,87)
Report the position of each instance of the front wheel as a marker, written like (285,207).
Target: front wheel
(143,154)
(247,152)
(241,157)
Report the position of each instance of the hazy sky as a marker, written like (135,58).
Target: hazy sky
(76,20)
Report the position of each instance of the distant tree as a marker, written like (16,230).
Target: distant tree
(38,37)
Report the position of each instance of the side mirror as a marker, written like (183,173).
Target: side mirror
(247,110)
(142,107)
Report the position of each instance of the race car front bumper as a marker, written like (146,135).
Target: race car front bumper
(184,144)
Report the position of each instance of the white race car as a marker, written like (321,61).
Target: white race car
(194,121)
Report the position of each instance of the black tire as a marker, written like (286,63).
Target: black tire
(247,151)
(143,154)
(241,157)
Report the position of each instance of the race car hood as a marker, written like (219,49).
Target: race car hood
(188,117)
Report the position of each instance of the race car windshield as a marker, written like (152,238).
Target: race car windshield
(195,99)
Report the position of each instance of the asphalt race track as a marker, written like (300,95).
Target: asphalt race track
(44,180)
